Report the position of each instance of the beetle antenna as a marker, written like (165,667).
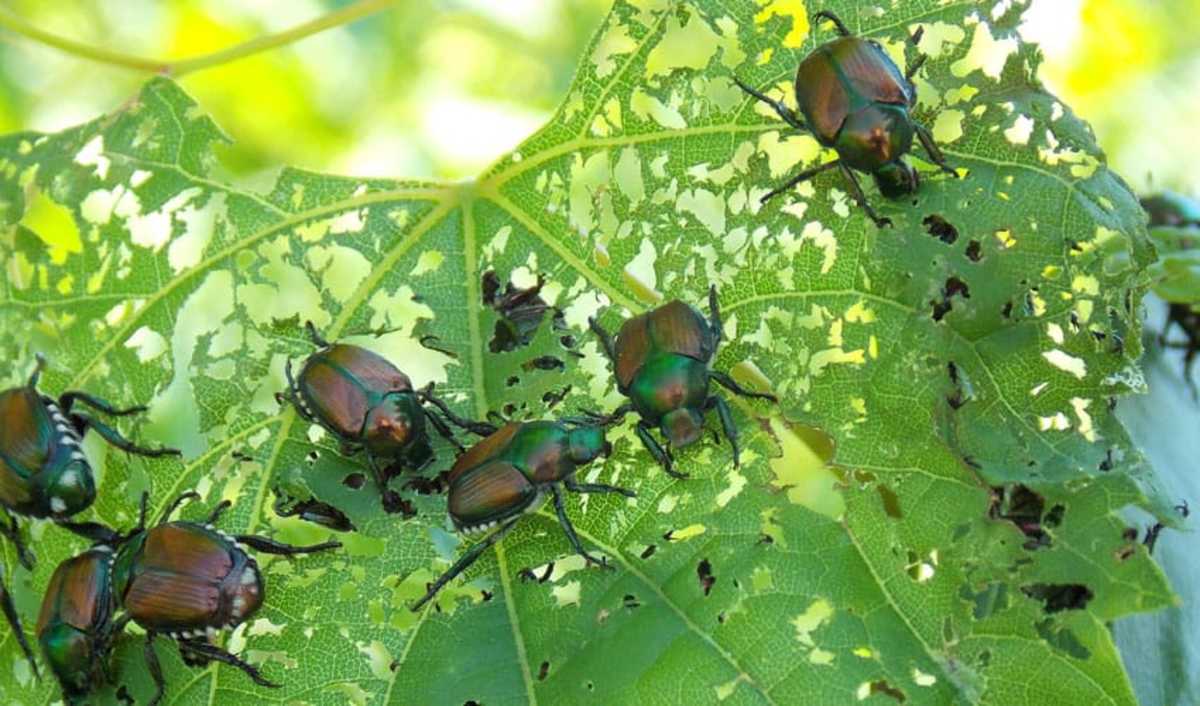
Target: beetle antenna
(38,367)
(837,21)
(315,336)
(189,495)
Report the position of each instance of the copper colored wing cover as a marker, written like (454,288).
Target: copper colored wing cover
(335,384)
(179,575)
(76,590)
(26,430)
(487,448)
(821,96)
(487,492)
(870,72)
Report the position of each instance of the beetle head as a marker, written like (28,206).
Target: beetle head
(392,424)
(874,136)
(682,426)
(896,179)
(587,443)
(69,489)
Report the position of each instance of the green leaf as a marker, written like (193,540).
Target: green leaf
(964,545)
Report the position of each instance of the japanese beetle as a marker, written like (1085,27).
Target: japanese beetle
(367,404)
(76,626)
(855,100)
(509,473)
(187,580)
(313,511)
(520,310)
(1171,209)
(663,363)
(43,471)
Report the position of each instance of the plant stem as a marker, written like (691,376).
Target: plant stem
(346,15)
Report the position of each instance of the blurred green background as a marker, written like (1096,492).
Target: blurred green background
(440,88)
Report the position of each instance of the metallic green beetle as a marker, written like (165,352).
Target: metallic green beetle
(77,624)
(187,580)
(663,363)
(367,404)
(44,472)
(855,100)
(510,472)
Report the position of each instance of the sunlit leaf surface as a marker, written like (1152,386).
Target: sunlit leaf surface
(963,545)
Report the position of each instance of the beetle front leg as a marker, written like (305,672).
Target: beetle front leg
(155,669)
(575,487)
(935,152)
(84,422)
(68,399)
(14,622)
(727,382)
(12,533)
(463,563)
(727,425)
(206,651)
(444,431)
(560,509)
(799,178)
(266,545)
(857,192)
(480,429)
(606,342)
(657,451)
(789,116)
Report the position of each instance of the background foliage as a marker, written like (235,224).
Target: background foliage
(869,590)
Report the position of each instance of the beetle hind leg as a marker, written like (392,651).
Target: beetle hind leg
(477,428)
(727,382)
(14,622)
(789,116)
(837,22)
(209,652)
(576,487)
(155,669)
(463,563)
(560,509)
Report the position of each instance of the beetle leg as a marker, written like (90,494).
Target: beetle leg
(574,487)
(266,545)
(935,152)
(727,425)
(727,382)
(657,451)
(861,198)
(183,497)
(315,336)
(155,669)
(68,399)
(801,177)
(606,342)
(207,651)
(292,395)
(440,426)
(14,622)
(464,562)
(91,531)
(837,21)
(427,342)
(714,312)
(789,116)
(476,428)
(560,509)
(13,533)
(84,422)
(594,418)
(217,512)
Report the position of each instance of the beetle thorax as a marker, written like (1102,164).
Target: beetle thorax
(392,424)
(874,136)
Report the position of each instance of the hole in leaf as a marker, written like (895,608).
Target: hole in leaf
(631,601)
(649,551)
(1024,508)
(543,671)
(520,311)
(940,228)
(1107,463)
(974,251)
(512,380)
(1057,597)
(1006,312)
(954,287)
(963,390)
(312,457)
(880,686)
(354,481)
(124,697)
(993,598)
(705,574)
(553,397)
(486,595)
(891,501)
(428,486)
(1062,639)
(545,362)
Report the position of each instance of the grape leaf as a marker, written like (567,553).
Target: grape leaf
(964,544)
